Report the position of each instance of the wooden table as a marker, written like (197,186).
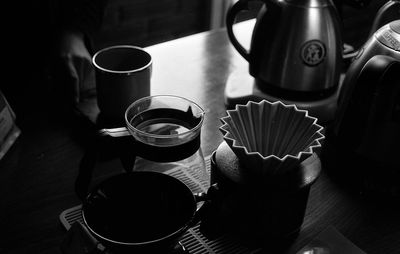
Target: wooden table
(37,175)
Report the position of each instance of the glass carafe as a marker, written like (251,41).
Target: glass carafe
(166,131)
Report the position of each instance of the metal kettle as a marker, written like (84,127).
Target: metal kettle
(363,141)
(379,53)
(296,47)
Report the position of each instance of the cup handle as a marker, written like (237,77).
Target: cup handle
(201,211)
(114,132)
(87,164)
(127,157)
(85,172)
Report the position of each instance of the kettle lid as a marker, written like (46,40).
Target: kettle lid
(389,35)
(395,26)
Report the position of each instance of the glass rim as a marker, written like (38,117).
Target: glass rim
(194,129)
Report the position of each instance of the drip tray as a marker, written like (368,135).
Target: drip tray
(193,240)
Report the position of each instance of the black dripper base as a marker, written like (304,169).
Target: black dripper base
(257,211)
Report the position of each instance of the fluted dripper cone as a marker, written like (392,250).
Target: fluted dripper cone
(271,138)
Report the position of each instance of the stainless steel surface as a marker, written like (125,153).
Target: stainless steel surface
(285,62)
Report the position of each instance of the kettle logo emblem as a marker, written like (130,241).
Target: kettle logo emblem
(313,52)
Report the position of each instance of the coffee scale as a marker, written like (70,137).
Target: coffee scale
(241,88)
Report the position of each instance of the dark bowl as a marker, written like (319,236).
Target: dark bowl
(139,212)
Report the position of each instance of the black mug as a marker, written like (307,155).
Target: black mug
(140,212)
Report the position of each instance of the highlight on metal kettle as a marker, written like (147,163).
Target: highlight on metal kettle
(388,12)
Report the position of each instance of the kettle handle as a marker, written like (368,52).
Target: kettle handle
(388,12)
(242,5)
(116,140)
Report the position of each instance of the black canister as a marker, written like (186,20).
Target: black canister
(257,211)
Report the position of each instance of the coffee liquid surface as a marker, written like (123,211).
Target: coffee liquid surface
(165,121)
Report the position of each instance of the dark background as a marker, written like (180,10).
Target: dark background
(144,22)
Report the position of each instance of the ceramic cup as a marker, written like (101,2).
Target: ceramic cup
(123,74)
